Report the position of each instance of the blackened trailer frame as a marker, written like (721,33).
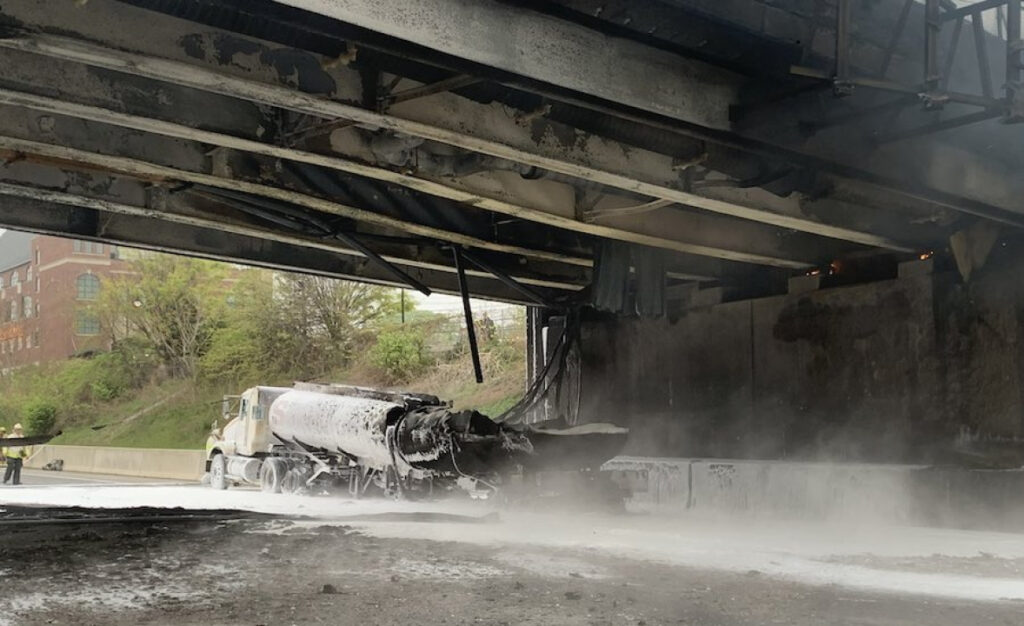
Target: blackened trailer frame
(933,92)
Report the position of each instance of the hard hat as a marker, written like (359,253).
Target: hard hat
(17,427)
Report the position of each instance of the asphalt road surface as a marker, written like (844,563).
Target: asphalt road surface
(35,477)
(335,560)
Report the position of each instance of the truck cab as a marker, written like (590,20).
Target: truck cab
(245,433)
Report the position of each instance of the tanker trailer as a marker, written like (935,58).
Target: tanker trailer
(314,436)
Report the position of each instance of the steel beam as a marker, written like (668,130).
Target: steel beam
(153,172)
(189,75)
(894,40)
(981,52)
(840,82)
(441,86)
(133,231)
(505,278)
(640,233)
(221,224)
(474,348)
(1014,63)
(932,28)
(242,203)
(947,124)
(968,9)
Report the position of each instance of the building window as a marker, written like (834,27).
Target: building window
(1,282)
(26,306)
(88,287)
(86,323)
(14,310)
(35,338)
(28,341)
(14,278)
(87,247)
(37,256)
(28,275)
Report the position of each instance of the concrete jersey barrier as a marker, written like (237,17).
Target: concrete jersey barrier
(142,462)
(848,492)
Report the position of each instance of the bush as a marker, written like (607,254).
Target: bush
(399,354)
(105,390)
(40,417)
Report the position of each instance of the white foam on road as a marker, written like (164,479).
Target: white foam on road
(784,550)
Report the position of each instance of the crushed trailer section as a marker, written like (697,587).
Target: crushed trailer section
(314,435)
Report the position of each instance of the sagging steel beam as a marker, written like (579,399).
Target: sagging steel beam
(106,206)
(192,76)
(446,189)
(505,278)
(467,309)
(175,238)
(346,238)
(441,86)
(151,171)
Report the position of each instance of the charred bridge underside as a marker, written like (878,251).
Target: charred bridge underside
(738,144)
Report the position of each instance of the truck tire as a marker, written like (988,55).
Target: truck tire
(294,481)
(271,473)
(218,472)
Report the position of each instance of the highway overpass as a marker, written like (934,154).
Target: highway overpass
(761,170)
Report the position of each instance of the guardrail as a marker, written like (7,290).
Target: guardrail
(141,462)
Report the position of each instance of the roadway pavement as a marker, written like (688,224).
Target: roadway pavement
(35,477)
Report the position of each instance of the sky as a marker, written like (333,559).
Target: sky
(442,303)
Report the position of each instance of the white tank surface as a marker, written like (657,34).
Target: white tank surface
(353,425)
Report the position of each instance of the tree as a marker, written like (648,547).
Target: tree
(336,310)
(174,302)
(291,325)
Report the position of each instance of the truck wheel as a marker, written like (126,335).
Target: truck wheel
(294,481)
(218,472)
(271,473)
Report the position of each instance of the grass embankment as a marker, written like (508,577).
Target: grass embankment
(94,404)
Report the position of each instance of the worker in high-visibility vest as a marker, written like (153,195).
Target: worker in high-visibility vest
(15,456)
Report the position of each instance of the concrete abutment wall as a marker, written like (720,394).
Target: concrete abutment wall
(926,369)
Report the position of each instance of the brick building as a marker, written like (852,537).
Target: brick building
(47,285)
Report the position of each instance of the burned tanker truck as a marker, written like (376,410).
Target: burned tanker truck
(328,436)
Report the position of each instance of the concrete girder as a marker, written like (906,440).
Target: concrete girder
(667,229)
(65,220)
(550,50)
(175,38)
(499,28)
(638,179)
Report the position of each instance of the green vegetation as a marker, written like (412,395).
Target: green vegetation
(186,332)
(399,354)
